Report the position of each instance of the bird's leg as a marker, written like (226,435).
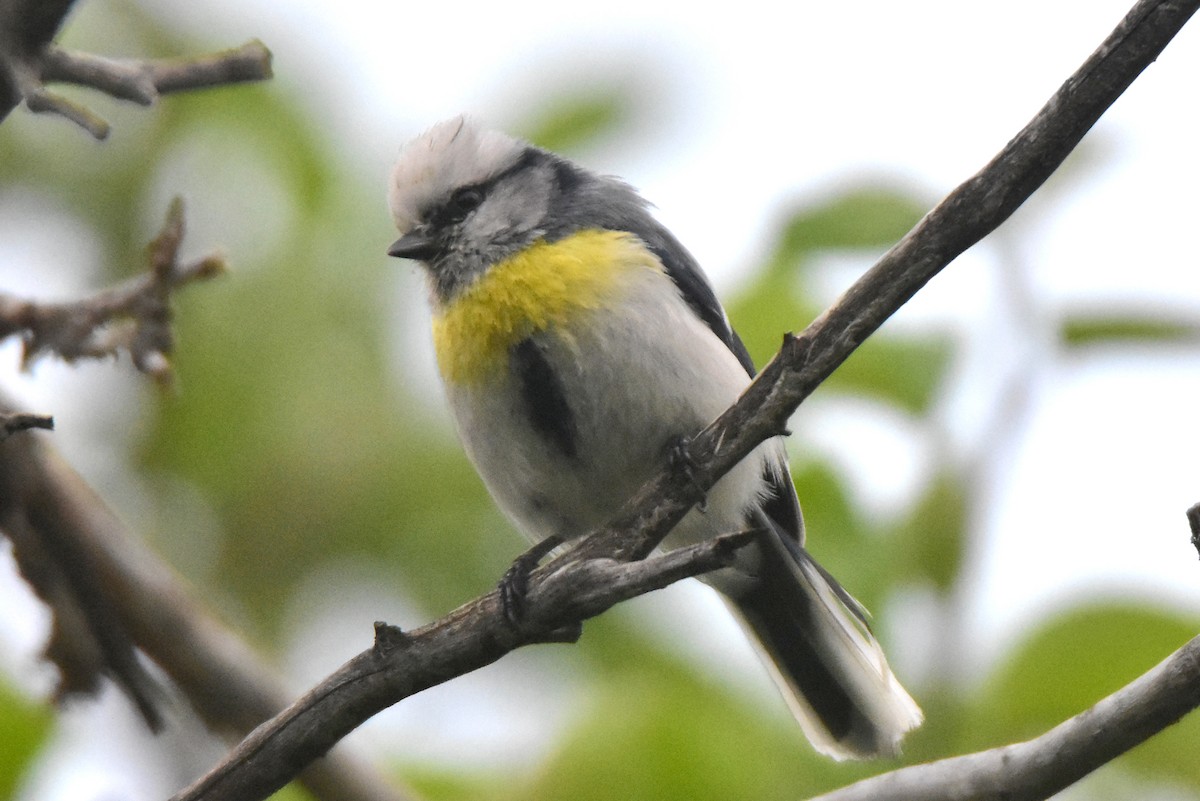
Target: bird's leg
(679,455)
(514,584)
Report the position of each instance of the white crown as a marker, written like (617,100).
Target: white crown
(453,153)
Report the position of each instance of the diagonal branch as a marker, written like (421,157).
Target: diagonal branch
(969,213)
(111,594)
(1043,766)
(477,633)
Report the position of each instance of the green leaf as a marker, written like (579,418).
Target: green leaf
(905,372)
(931,541)
(839,537)
(574,121)
(24,727)
(864,216)
(1126,328)
(436,783)
(830,519)
(767,308)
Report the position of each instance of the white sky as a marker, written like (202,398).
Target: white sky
(766,101)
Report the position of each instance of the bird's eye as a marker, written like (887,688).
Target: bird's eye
(461,203)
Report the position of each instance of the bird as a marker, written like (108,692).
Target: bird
(579,346)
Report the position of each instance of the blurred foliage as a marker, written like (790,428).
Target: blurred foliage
(24,727)
(867,218)
(579,119)
(1126,327)
(295,431)
(930,543)
(1077,657)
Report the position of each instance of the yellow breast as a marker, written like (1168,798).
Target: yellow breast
(549,285)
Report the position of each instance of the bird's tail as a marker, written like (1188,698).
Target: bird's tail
(823,656)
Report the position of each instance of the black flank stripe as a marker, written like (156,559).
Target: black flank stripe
(542,393)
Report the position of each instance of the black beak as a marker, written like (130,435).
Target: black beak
(416,245)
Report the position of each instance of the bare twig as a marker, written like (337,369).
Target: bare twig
(476,634)
(134,317)
(250,62)
(1043,766)
(29,60)
(142,81)
(103,586)
(41,100)
(87,640)
(13,422)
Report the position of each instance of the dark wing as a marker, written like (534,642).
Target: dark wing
(585,200)
(783,506)
(694,287)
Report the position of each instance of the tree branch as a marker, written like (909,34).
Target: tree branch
(87,640)
(29,60)
(476,634)
(110,594)
(134,317)
(14,422)
(142,81)
(973,210)
(401,664)
(108,598)
(1043,766)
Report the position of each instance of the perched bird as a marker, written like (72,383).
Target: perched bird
(579,344)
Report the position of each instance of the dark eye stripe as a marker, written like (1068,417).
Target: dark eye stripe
(466,199)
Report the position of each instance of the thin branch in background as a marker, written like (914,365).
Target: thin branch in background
(143,80)
(88,641)
(123,79)
(14,422)
(29,60)
(41,100)
(477,633)
(134,317)
(1045,765)
(103,585)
